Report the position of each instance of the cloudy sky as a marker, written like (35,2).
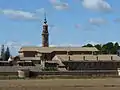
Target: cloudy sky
(71,22)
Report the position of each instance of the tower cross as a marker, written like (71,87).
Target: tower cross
(45,20)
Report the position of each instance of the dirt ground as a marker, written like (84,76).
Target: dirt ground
(61,84)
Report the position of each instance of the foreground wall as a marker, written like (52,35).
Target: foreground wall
(80,73)
(37,71)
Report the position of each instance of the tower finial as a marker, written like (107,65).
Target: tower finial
(45,20)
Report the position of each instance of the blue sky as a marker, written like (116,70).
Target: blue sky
(71,22)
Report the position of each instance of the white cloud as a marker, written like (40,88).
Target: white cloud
(91,42)
(59,5)
(92,23)
(77,26)
(52,27)
(117,20)
(97,5)
(18,14)
(97,21)
(70,45)
(40,45)
(85,27)
(41,11)
(63,45)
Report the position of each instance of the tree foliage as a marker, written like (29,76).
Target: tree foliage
(5,54)
(108,48)
(2,52)
(88,45)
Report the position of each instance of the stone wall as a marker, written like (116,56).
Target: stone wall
(37,71)
(80,73)
(16,68)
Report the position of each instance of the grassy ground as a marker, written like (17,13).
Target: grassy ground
(61,84)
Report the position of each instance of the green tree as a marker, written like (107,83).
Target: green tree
(2,52)
(99,47)
(88,45)
(7,54)
(116,47)
(107,48)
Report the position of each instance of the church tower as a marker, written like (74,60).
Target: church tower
(45,34)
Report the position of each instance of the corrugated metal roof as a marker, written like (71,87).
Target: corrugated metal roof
(51,49)
(58,60)
(87,57)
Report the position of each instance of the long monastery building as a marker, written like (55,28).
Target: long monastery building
(66,58)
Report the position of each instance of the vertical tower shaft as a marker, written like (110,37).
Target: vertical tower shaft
(45,34)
